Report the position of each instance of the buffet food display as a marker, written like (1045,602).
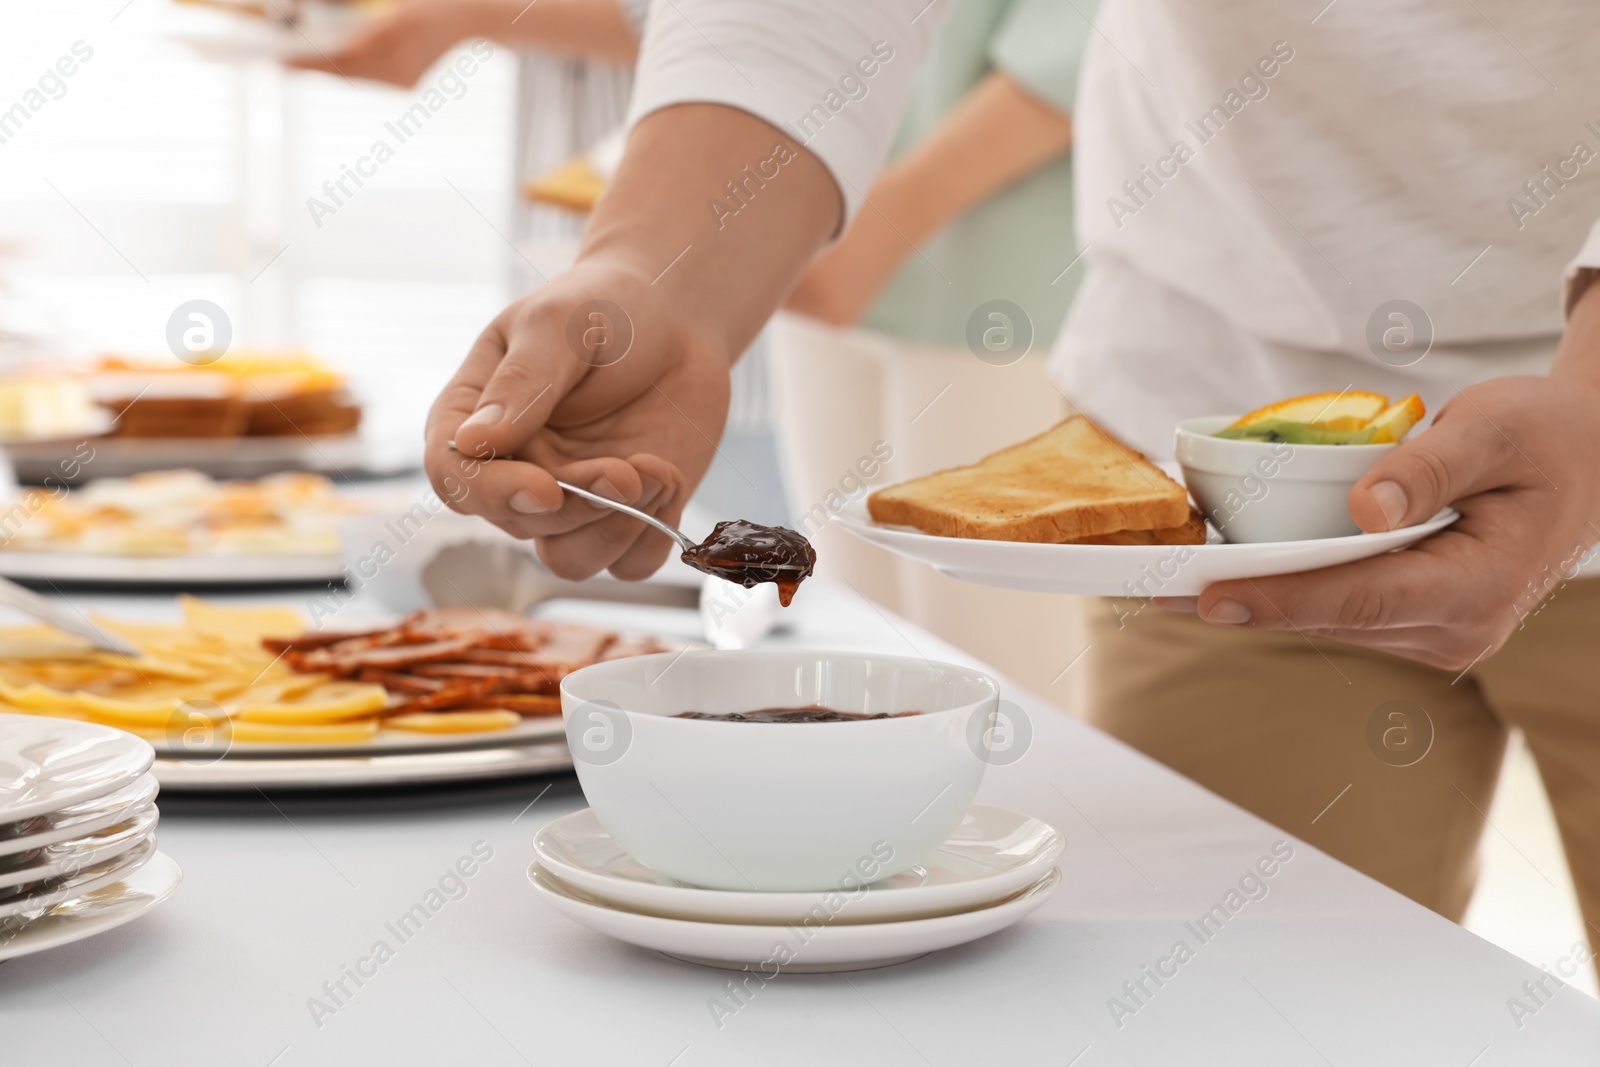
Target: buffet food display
(256,675)
(241,394)
(183,513)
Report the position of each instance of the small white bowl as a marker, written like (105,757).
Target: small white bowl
(1258,491)
(778,807)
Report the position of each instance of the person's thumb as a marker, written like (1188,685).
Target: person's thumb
(1460,455)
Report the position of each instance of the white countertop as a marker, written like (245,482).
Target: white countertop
(1327,968)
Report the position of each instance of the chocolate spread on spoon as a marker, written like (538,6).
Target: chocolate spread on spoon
(748,554)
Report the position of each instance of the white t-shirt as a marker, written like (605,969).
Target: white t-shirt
(1304,176)
(1335,158)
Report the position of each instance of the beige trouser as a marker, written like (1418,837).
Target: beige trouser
(1284,726)
(838,394)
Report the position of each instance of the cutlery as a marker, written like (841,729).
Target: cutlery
(66,619)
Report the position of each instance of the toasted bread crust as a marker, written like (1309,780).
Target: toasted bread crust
(1071,482)
(1192,532)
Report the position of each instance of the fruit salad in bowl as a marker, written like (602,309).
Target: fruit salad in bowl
(1284,472)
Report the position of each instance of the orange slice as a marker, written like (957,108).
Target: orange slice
(333,702)
(1395,421)
(453,722)
(278,733)
(1349,410)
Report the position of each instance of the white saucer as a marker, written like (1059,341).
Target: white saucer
(47,764)
(80,819)
(93,912)
(62,889)
(993,854)
(801,949)
(68,857)
(1124,570)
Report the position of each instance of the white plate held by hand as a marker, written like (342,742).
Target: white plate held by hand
(993,854)
(799,949)
(1125,570)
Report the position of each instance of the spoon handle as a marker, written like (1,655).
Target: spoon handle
(605,502)
(595,498)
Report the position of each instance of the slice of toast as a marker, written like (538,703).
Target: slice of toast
(1071,482)
(1192,532)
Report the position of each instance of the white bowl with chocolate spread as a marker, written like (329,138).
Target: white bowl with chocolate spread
(778,770)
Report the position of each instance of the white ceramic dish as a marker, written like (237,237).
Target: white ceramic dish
(220,457)
(1254,492)
(93,912)
(355,772)
(79,820)
(532,730)
(769,807)
(992,854)
(68,857)
(169,570)
(47,764)
(1125,570)
(805,949)
(39,900)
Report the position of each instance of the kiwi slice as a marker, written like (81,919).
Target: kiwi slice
(1297,433)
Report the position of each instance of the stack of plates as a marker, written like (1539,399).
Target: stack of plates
(998,867)
(77,832)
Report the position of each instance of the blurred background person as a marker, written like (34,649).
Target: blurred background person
(881,351)
(574,76)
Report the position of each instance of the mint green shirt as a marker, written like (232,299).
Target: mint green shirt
(1014,245)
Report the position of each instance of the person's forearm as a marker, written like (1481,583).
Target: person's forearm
(997,134)
(594,28)
(1578,355)
(724,257)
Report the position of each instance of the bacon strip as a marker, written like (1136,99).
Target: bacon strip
(457,659)
(396,682)
(573,645)
(313,639)
(527,703)
(506,679)
(346,661)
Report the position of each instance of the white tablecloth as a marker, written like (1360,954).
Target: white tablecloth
(1327,968)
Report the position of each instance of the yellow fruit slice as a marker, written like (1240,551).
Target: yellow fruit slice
(253,623)
(453,722)
(1395,421)
(54,712)
(149,714)
(1348,410)
(277,733)
(34,695)
(329,703)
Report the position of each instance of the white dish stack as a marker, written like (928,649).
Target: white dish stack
(77,832)
(724,833)
(997,868)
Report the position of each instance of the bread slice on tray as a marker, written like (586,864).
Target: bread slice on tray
(1072,483)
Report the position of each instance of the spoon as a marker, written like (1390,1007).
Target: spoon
(689,545)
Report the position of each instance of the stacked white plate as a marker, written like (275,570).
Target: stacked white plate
(77,832)
(997,868)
